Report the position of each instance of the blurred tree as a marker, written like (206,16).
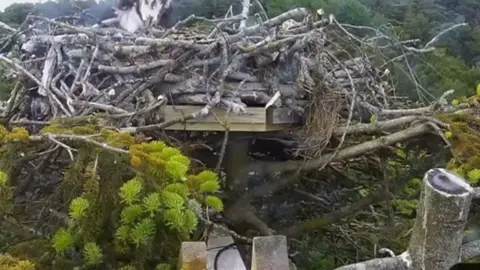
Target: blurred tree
(16,13)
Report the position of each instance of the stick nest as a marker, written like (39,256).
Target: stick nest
(294,60)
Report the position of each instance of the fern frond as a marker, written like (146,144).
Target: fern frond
(78,208)
(3,178)
(143,231)
(174,219)
(62,241)
(152,203)
(122,233)
(181,159)
(214,202)
(130,213)
(135,161)
(178,188)
(155,146)
(176,170)
(209,186)
(169,152)
(130,191)
(190,220)
(206,176)
(92,253)
(24,265)
(172,200)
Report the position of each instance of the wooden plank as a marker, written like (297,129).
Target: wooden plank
(256,119)
(193,256)
(229,259)
(282,116)
(217,127)
(270,253)
(254,115)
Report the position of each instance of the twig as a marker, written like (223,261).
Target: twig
(23,70)
(68,148)
(86,139)
(245,8)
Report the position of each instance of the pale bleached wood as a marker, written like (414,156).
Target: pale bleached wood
(257,119)
(193,256)
(229,259)
(270,253)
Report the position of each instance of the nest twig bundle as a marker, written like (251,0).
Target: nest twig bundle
(78,70)
(298,60)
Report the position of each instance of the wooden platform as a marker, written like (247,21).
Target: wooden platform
(257,119)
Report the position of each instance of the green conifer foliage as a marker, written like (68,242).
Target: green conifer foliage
(126,209)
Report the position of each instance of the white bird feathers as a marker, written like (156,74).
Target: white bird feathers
(136,14)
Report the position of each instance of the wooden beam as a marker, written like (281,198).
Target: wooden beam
(270,253)
(193,256)
(257,119)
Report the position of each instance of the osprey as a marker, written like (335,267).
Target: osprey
(136,14)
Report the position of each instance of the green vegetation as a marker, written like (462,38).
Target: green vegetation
(142,224)
(132,208)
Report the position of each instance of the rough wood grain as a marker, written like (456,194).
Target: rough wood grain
(270,253)
(255,120)
(193,256)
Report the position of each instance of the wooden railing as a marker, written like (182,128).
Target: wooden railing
(268,253)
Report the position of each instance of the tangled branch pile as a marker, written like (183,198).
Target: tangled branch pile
(280,62)
(298,60)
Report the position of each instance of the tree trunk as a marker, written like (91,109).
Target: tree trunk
(441,218)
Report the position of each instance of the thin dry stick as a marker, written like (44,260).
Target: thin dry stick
(227,131)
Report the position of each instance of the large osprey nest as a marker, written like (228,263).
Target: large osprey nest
(297,60)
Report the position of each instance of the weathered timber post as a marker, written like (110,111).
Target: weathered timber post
(441,218)
(193,256)
(436,239)
(270,253)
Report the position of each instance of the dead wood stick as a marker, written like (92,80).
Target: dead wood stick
(136,69)
(384,125)
(470,250)
(245,9)
(201,113)
(23,70)
(294,13)
(87,139)
(7,27)
(105,107)
(348,152)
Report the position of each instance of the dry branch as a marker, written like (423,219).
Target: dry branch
(285,61)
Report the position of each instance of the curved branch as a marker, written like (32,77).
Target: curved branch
(345,153)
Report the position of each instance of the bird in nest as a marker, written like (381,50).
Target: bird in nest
(134,15)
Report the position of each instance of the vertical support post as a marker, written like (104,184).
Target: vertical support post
(270,253)
(441,219)
(193,256)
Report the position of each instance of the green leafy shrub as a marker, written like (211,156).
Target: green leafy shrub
(151,208)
